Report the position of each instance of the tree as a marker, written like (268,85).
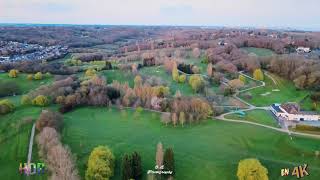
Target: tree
(13,73)
(182,78)
(60,99)
(196,52)
(174,119)
(175,74)
(29,77)
(38,76)
(100,164)
(251,169)
(40,101)
(236,83)
(168,160)
(48,75)
(258,75)
(126,167)
(6,106)
(209,70)
(242,78)
(136,166)
(137,81)
(182,118)
(159,155)
(49,118)
(25,100)
(196,83)
(90,72)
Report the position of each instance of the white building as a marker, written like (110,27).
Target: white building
(291,112)
(303,50)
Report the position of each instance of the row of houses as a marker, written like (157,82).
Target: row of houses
(292,112)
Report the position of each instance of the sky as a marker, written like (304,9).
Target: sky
(303,14)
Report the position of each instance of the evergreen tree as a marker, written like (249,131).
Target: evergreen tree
(168,160)
(136,166)
(127,171)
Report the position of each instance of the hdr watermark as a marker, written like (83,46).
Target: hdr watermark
(159,170)
(32,168)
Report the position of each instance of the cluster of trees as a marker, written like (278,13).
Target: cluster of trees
(251,169)
(101,164)
(51,119)
(58,158)
(315,97)
(131,166)
(6,106)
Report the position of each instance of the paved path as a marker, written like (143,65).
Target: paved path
(31,143)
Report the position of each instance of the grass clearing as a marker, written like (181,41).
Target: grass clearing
(210,150)
(159,71)
(118,75)
(259,51)
(283,91)
(257,116)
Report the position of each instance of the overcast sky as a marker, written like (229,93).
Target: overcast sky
(258,13)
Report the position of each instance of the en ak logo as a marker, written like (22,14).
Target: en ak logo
(298,171)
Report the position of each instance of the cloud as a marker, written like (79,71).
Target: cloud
(178,12)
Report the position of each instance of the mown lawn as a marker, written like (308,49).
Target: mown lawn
(118,75)
(159,71)
(257,116)
(25,85)
(210,150)
(259,51)
(283,91)
(14,142)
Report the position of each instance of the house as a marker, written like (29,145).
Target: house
(303,50)
(291,112)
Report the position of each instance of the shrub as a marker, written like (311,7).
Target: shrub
(6,106)
(49,119)
(40,101)
(182,78)
(60,99)
(303,127)
(101,164)
(25,100)
(13,73)
(9,88)
(29,77)
(38,76)
(90,72)
(251,169)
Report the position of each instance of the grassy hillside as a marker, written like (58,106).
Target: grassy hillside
(259,51)
(210,150)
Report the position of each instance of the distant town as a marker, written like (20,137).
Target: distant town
(15,51)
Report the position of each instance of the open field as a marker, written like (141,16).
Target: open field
(25,85)
(14,141)
(210,150)
(159,71)
(283,91)
(257,116)
(118,75)
(259,51)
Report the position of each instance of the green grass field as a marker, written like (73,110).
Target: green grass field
(283,91)
(259,51)
(257,116)
(118,75)
(159,71)
(210,150)
(24,84)
(14,142)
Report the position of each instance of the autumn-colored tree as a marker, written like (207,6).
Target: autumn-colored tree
(175,74)
(40,101)
(174,119)
(196,52)
(165,118)
(182,78)
(209,70)
(182,118)
(29,77)
(242,78)
(90,72)
(251,169)
(38,76)
(196,82)
(25,100)
(258,75)
(6,106)
(126,167)
(101,164)
(137,81)
(49,118)
(60,99)
(159,155)
(168,160)
(236,83)
(195,70)
(13,73)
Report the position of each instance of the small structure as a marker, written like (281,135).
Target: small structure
(303,50)
(291,112)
